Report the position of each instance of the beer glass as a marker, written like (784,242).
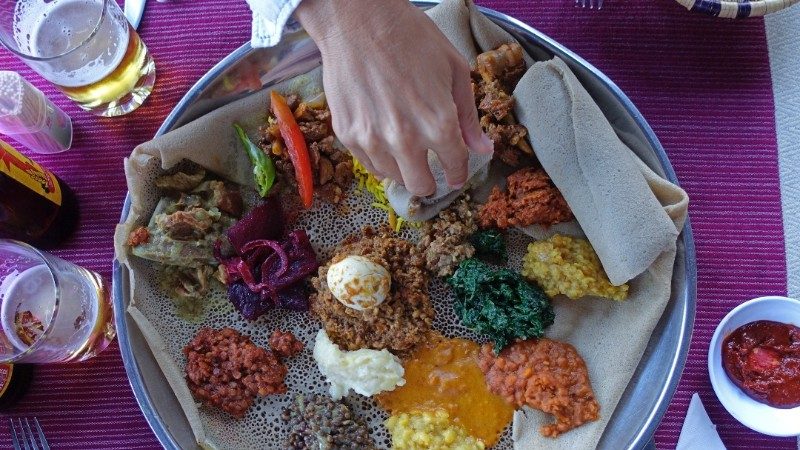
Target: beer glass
(85,47)
(50,310)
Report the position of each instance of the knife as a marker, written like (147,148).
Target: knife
(133,11)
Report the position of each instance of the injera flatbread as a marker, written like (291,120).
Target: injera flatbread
(611,336)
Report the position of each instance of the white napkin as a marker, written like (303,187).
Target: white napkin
(698,433)
(269,19)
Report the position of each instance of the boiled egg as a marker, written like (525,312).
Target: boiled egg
(358,282)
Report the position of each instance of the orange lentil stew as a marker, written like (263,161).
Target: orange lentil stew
(544,374)
(444,375)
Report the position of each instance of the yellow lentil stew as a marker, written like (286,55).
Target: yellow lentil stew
(423,430)
(569,266)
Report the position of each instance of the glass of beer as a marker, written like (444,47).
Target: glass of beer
(85,47)
(50,310)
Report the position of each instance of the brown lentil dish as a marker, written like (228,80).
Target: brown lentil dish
(444,239)
(227,370)
(496,74)
(401,321)
(285,344)
(318,422)
(531,198)
(544,374)
(332,166)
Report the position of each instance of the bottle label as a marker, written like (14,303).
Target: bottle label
(6,371)
(30,174)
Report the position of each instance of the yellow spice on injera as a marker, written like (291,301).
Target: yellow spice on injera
(569,266)
(367,182)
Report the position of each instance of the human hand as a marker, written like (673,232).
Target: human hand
(396,87)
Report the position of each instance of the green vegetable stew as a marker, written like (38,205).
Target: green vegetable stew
(489,244)
(499,303)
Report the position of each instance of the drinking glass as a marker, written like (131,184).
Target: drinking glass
(50,310)
(85,47)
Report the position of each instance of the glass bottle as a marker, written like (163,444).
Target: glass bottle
(35,206)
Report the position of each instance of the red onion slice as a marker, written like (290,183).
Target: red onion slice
(275,246)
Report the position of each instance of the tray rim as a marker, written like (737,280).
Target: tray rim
(643,438)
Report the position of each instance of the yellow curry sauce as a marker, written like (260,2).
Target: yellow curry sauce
(445,375)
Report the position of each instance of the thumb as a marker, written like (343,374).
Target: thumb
(464,99)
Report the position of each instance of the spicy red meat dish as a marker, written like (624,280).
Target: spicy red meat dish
(763,359)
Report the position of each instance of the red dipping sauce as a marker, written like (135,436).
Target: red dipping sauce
(763,359)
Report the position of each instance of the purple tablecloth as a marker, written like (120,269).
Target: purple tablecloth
(703,84)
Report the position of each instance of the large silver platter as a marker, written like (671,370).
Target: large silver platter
(656,379)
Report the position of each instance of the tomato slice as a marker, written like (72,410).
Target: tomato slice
(296,146)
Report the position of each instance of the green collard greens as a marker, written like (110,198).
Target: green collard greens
(490,244)
(499,303)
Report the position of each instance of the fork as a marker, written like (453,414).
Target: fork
(26,437)
(589,4)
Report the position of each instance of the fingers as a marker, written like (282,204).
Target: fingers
(453,153)
(369,143)
(395,155)
(385,165)
(403,156)
(390,136)
(467,112)
(412,170)
(356,142)
(417,176)
(376,160)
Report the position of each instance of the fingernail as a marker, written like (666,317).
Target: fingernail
(457,186)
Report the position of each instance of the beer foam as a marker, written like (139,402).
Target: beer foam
(57,28)
(327,225)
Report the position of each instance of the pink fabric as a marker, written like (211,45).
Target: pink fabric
(703,83)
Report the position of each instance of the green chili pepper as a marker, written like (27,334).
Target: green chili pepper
(263,167)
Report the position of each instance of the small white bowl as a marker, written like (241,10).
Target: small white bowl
(752,414)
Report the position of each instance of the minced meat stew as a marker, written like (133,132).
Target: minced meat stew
(401,321)
(445,239)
